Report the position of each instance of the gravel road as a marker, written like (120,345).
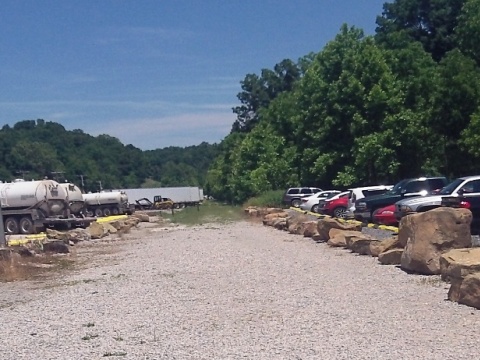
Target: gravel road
(234,291)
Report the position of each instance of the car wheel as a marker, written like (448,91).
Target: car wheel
(374,214)
(315,208)
(296,203)
(339,212)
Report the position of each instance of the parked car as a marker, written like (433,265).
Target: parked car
(293,196)
(310,203)
(466,200)
(458,187)
(336,206)
(386,216)
(363,192)
(365,208)
(324,205)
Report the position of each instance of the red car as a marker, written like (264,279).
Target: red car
(385,216)
(336,207)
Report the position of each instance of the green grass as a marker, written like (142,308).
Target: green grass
(271,198)
(208,212)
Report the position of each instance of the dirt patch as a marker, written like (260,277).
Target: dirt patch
(19,268)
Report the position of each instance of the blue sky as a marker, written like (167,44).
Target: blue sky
(154,73)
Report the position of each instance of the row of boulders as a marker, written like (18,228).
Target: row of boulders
(60,241)
(437,242)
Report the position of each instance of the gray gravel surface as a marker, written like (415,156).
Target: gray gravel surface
(233,291)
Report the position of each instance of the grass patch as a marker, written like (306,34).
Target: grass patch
(208,212)
(272,198)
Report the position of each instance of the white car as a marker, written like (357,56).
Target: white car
(311,203)
(363,192)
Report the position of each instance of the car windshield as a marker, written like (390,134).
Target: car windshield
(331,195)
(397,189)
(447,190)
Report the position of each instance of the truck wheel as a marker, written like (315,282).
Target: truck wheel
(26,225)
(98,212)
(11,226)
(115,210)
(107,212)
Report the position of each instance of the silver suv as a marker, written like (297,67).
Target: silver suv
(294,195)
(468,184)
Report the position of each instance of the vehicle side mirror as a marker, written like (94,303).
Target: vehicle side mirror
(461,192)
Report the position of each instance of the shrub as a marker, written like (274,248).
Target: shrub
(271,198)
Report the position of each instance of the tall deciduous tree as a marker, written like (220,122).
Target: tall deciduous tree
(431,22)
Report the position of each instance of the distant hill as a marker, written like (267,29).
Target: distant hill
(34,149)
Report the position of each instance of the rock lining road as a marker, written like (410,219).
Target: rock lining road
(231,291)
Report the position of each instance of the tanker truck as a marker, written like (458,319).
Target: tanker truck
(74,198)
(30,206)
(107,203)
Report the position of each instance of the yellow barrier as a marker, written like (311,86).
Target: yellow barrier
(111,218)
(26,239)
(369,225)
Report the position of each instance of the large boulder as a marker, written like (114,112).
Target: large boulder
(306,228)
(97,230)
(360,243)
(310,228)
(270,219)
(280,223)
(462,268)
(294,223)
(324,226)
(378,247)
(391,257)
(428,235)
(459,263)
(466,291)
(256,211)
(142,216)
(71,236)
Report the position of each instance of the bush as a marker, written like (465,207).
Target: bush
(272,198)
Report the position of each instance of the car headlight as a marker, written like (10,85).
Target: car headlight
(405,208)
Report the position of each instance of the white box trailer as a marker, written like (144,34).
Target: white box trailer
(185,196)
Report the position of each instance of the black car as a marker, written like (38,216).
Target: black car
(366,208)
(468,200)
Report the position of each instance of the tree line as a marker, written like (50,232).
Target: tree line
(364,110)
(35,149)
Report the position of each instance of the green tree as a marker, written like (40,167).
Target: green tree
(467,32)
(431,22)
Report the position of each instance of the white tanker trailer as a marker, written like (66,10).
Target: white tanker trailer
(107,203)
(74,198)
(30,206)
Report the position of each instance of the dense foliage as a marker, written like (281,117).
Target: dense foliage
(364,110)
(35,149)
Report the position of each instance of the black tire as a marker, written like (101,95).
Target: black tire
(26,225)
(98,212)
(11,226)
(115,210)
(296,203)
(107,212)
(315,208)
(339,212)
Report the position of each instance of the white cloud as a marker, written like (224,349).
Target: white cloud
(181,130)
